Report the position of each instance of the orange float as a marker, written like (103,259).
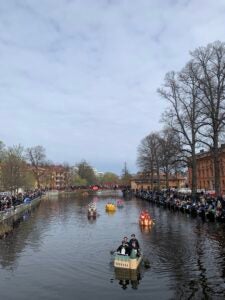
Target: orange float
(145,219)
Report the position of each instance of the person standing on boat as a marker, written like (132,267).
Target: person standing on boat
(127,244)
(134,245)
(125,240)
(123,249)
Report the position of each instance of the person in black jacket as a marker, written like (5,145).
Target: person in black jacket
(123,249)
(134,244)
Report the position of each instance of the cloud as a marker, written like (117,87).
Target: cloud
(80,77)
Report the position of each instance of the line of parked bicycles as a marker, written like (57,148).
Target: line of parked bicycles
(206,207)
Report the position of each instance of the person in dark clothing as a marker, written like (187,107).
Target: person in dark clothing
(123,249)
(127,244)
(134,244)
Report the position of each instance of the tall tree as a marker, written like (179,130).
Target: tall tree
(148,157)
(13,169)
(85,171)
(184,114)
(110,178)
(209,72)
(126,176)
(37,158)
(169,150)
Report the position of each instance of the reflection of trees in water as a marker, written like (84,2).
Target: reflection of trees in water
(128,277)
(12,245)
(205,264)
(28,226)
(192,253)
(198,287)
(177,251)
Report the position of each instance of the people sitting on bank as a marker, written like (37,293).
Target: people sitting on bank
(123,249)
(134,246)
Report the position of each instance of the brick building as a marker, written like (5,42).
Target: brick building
(205,170)
(54,177)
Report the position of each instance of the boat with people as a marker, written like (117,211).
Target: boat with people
(128,254)
(92,210)
(145,219)
(120,203)
(110,207)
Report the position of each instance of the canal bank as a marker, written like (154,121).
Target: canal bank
(10,216)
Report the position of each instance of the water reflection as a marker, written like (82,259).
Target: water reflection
(12,245)
(145,229)
(128,278)
(110,213)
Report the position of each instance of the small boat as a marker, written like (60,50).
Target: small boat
(127,262)
(92,210)
(145,219)
(110,207)
(119,203)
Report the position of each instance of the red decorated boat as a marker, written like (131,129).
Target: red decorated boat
(145,219)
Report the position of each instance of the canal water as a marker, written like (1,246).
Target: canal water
(56,252)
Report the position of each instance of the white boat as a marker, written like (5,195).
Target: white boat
(126,262)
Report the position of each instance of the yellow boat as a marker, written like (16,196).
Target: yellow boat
(110,207)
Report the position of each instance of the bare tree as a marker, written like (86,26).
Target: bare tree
(148,156)
(184,114)
(169,150)
(37,158)
(126,176)
(209,71)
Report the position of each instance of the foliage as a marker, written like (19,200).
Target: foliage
(13,169)
(126,176)
(37,158)
(85,171)
(109,177)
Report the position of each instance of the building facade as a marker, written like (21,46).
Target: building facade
(205,170)
(54,177)
(145,182)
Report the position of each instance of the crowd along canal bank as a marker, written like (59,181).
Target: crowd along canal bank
(10,216)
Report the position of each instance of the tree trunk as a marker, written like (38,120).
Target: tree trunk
(216,162)
(167,179)
(152,178)
(158,179)
(194,174)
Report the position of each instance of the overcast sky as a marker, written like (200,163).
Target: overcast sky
(79,77)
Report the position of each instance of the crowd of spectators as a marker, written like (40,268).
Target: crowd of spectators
(11,201)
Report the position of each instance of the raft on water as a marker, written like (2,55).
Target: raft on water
(120,203)
(145,219)
(92,210)
(126,262)
(110,207)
